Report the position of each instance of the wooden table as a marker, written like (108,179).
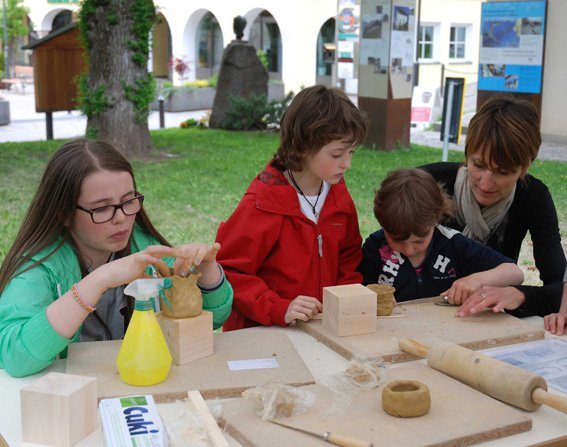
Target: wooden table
(320,360)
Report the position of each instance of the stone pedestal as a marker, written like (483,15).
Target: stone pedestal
(241,74)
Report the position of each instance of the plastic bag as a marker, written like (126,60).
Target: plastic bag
(280,400)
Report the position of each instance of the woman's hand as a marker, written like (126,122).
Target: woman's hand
(495,298)
(302,308)
(556,323)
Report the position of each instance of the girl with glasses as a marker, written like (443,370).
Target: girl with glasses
(86,235)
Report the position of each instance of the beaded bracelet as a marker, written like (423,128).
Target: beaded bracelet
(87,307)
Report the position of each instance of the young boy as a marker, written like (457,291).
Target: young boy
(295,230)
(421,258)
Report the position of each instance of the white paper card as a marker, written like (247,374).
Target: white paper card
(239,365)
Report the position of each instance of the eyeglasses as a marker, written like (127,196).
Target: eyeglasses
(105,213)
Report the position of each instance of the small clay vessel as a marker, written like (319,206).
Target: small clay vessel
(406,398)
(384,297)
(184,296)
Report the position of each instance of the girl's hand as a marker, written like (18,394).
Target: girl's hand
(194,255)
(201,257)
(302,308)
(127,269)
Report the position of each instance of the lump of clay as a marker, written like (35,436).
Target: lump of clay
(406,398)
(385,298)
(184,296)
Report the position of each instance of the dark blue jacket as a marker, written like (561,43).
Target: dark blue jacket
(450,256)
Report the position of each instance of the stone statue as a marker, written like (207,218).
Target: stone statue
(238,25)
(241,74)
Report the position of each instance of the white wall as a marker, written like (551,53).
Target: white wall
(42,13)
(442,14)
(299,23)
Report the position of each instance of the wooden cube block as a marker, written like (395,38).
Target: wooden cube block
(349,310)
(188,339)
(59,409)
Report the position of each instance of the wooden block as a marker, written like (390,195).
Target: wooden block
(349,310)
(188,339)
(59,409)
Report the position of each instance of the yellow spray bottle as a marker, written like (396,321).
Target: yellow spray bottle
(144,357)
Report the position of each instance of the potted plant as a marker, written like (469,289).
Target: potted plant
(192,95)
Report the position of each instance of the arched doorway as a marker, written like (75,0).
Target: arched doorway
(161,48)
(326,53)
(265,35)
(209,45)
(62,19)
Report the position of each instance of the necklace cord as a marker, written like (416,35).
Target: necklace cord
(312,205)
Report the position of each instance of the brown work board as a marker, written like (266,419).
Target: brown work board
(210,375)
(427,323)
(459,415)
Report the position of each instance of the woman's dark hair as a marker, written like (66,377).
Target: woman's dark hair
(506,132)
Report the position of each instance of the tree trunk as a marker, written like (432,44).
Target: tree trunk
(115,70)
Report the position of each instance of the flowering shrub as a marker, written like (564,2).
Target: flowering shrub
(180,66)
(192,122)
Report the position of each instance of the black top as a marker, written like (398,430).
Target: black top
(532,210)
(450,256)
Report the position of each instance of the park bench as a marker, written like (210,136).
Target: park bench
(23,75)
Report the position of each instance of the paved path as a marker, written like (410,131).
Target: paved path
(27,125)
(547,151)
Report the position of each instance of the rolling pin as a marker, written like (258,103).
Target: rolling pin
(505,382)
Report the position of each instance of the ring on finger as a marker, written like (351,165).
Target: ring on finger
(483,296)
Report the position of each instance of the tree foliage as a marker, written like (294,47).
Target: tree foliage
(116,92)
(16,28)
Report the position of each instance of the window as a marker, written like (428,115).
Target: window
(425,44)
(210,46)
(457,43)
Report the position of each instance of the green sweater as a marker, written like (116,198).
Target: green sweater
(28,342)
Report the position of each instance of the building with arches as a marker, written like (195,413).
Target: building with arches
(292,36)
(297,39)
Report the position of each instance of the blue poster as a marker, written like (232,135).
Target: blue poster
(511,46)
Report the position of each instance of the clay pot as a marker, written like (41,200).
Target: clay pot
(185,297)
(406,398)
(385,298)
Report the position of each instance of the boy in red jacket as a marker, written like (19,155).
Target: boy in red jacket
(295,230)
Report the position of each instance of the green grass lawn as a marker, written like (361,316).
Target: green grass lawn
(196,177)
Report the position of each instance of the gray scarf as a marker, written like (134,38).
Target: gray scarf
(477,223)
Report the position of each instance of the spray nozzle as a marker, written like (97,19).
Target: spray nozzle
(146,288)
